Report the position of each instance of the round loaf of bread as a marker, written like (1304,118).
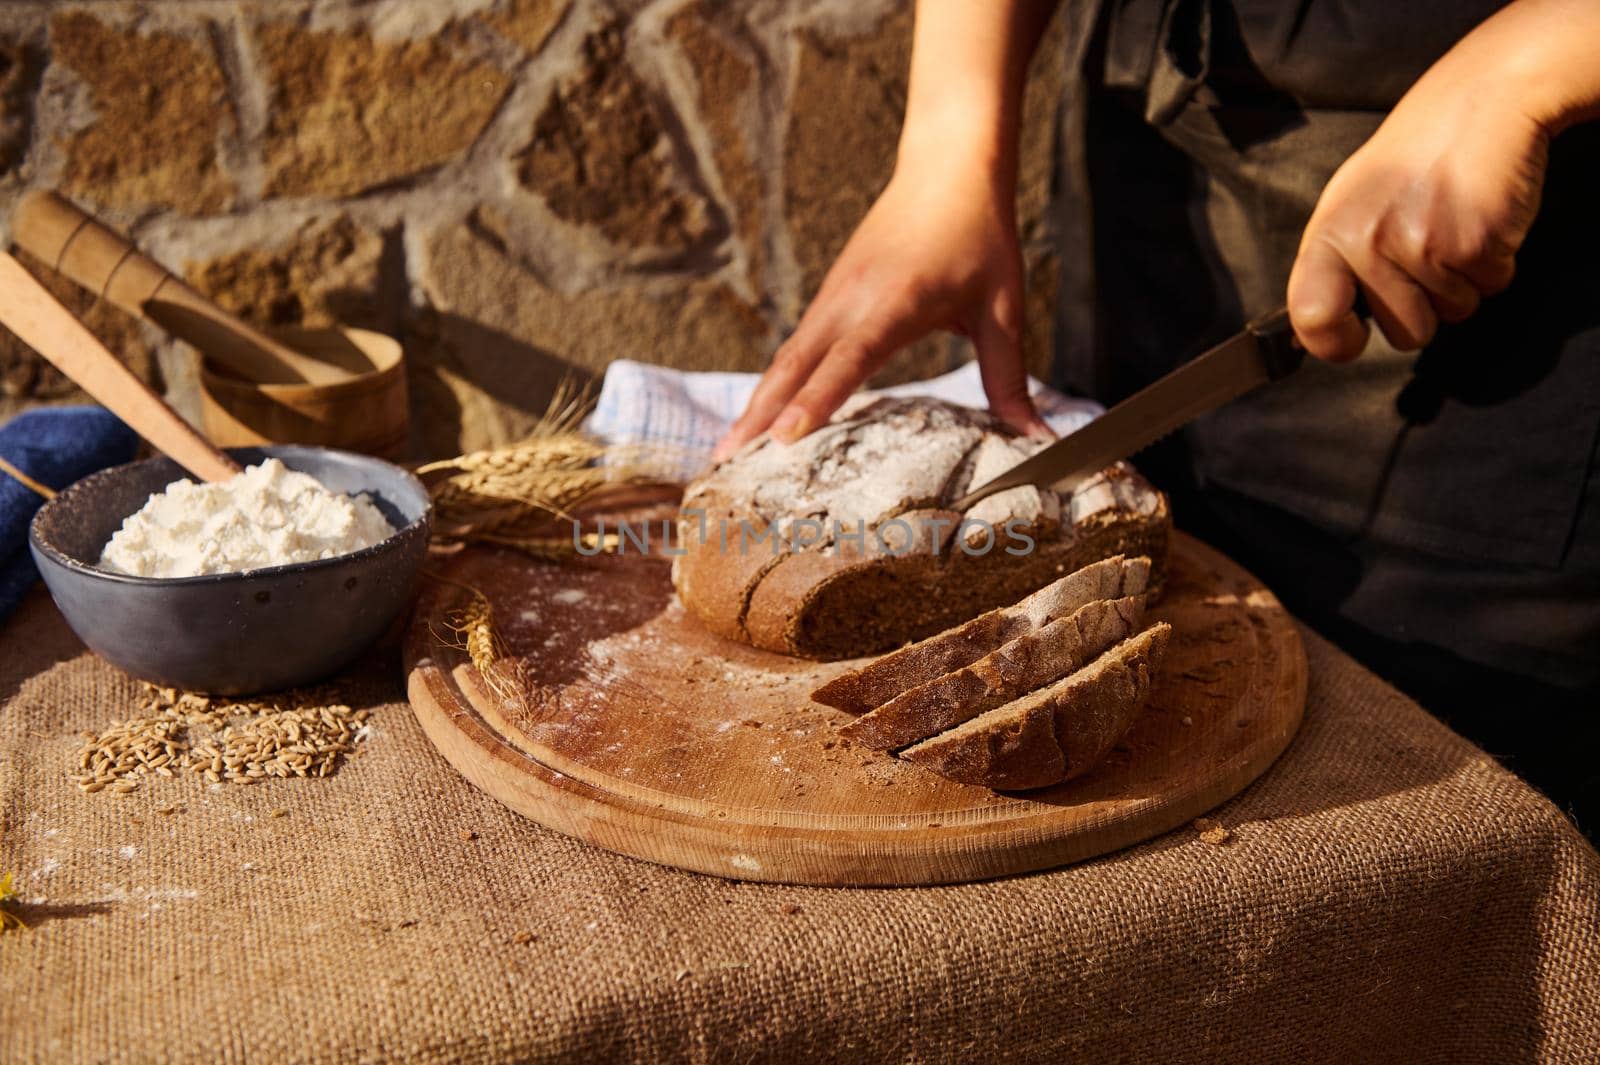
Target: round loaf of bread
(843,544)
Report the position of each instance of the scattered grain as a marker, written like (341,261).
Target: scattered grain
(1212,831)
(300,733)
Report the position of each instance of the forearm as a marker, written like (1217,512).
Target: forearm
(969,64)
(1541,56)
(939,248)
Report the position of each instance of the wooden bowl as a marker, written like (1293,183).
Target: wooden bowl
(367,412)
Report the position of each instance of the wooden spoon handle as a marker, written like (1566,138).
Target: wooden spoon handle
(40,321)
(56,231)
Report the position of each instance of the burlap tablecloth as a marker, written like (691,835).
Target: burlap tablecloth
(1388,894)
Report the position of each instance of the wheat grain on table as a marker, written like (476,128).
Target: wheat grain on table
(1384,893)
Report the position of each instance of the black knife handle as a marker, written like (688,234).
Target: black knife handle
(1280,348)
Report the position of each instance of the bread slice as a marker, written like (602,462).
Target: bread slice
(1025,664)
(1055,733)
(880,680)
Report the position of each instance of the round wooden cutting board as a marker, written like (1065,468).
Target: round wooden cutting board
(635,729)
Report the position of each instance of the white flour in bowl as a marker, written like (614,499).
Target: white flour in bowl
(267,515)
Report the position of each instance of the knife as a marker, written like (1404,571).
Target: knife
(1264,351)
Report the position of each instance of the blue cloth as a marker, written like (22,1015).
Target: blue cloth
(55,446)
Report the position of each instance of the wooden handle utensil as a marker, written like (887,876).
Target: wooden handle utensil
(40,321)
(59,233)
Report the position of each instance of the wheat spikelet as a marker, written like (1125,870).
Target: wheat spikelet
(524,490)
(524,495)
(475,623)
(554,441)
(8,897)
(569,405)
(556,548)
(504,675)
(553,490)
(535,455)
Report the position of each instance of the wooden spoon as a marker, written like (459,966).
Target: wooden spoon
(58,232)
(40,321)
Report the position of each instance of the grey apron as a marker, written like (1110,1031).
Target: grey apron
(1456,492)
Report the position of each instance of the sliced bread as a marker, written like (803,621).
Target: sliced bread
(1056,732)
(881,680)
(1026,663)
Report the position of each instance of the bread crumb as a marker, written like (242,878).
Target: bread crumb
(280,812)
(467,835)
(1212,831)
(790,907)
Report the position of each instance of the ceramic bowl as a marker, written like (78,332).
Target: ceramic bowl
(232,633)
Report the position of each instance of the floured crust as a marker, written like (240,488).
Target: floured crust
(1057,732)
(881,462)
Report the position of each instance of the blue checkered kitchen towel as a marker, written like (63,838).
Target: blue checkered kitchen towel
(684,413)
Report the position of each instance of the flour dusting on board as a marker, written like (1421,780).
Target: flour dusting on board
(623,685)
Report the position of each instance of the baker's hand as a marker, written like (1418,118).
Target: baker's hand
(1426,218)
(938,250)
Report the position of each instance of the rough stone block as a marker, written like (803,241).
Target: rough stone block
(349,113)
(728,90)
(19,75)
(329,271)
(496,340)
(844,125)
(601,155)
(528,22)
(160,106)
(27,380)
(1041,110)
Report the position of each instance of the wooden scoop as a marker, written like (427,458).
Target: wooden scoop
(57,232)
(40,321)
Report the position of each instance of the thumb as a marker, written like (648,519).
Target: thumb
(997,335)
(1322,303)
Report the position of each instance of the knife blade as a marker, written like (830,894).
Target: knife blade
(1263,351)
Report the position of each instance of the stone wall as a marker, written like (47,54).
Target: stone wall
(515,188)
